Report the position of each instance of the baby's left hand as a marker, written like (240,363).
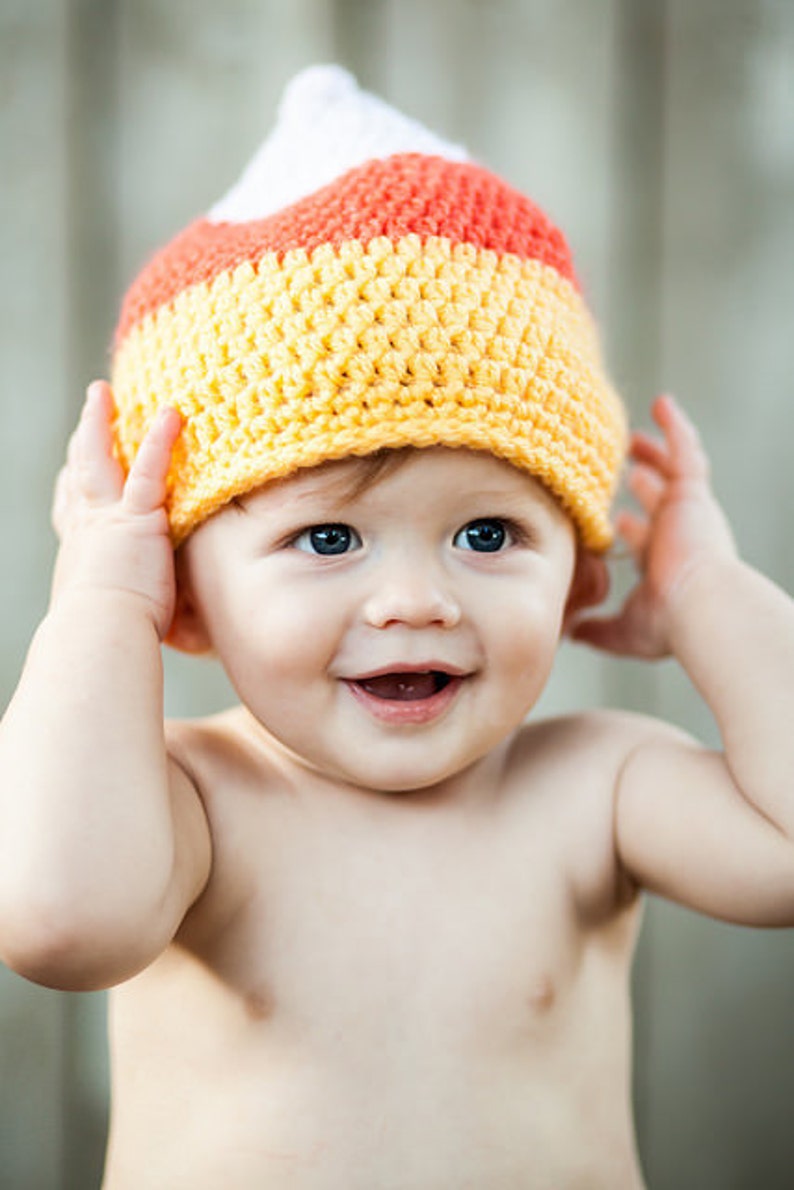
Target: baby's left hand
(681,526)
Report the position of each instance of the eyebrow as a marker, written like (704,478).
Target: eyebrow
(293,502)
(339,491)
(525,501)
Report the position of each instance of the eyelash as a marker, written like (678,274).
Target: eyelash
(514,534)
(329,527)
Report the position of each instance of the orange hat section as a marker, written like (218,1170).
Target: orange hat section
(283,358)
(407,194)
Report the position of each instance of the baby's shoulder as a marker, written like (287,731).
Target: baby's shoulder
(220,748)
(236,774)
(595,742)
(561,777)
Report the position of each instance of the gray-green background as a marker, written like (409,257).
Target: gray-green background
(660,134)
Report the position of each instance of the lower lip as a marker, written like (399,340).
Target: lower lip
(416,710)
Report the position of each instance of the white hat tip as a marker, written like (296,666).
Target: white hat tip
(326,125)
(316,87)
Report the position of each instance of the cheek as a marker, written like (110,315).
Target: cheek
(526,630)
(279,635)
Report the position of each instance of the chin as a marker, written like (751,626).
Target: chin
(397,779)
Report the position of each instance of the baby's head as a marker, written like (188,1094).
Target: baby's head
(366,286)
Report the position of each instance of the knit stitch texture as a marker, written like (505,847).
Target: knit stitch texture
(413,300)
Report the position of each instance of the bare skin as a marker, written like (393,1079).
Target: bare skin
(427,990)
(354,949)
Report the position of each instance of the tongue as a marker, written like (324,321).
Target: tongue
(402,686)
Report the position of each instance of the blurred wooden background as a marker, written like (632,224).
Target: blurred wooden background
(660,133)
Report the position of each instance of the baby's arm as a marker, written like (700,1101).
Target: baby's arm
(103,840)
(713,830)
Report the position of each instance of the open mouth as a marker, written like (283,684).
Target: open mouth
(406,687)
(407,696)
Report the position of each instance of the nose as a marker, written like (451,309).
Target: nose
(413,595)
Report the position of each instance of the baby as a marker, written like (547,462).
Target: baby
(371,930)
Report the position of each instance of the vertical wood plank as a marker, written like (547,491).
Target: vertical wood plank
(32,1125)
(93,276)
(635,288)
(722,1028)
(33,399)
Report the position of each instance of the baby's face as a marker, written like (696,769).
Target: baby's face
(390,636)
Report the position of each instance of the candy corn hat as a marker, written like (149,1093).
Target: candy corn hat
(365,285)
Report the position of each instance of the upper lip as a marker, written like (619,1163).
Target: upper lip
(411,667)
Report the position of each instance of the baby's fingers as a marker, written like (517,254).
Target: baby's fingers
(635,531)
(62,501)
(687,458)
(90,455)
(651,453)
(647,487)
(145,489)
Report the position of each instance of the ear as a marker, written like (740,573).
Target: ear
(589,585)
(188,632)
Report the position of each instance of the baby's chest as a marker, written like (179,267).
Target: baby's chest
(461,937)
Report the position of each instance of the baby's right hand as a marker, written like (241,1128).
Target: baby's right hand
(114,532)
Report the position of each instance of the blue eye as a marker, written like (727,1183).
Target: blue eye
(486,536)
(328,540)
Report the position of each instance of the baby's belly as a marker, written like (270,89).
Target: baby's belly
(251,1106)
(312,1134)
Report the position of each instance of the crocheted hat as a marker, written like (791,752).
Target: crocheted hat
(365,285)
